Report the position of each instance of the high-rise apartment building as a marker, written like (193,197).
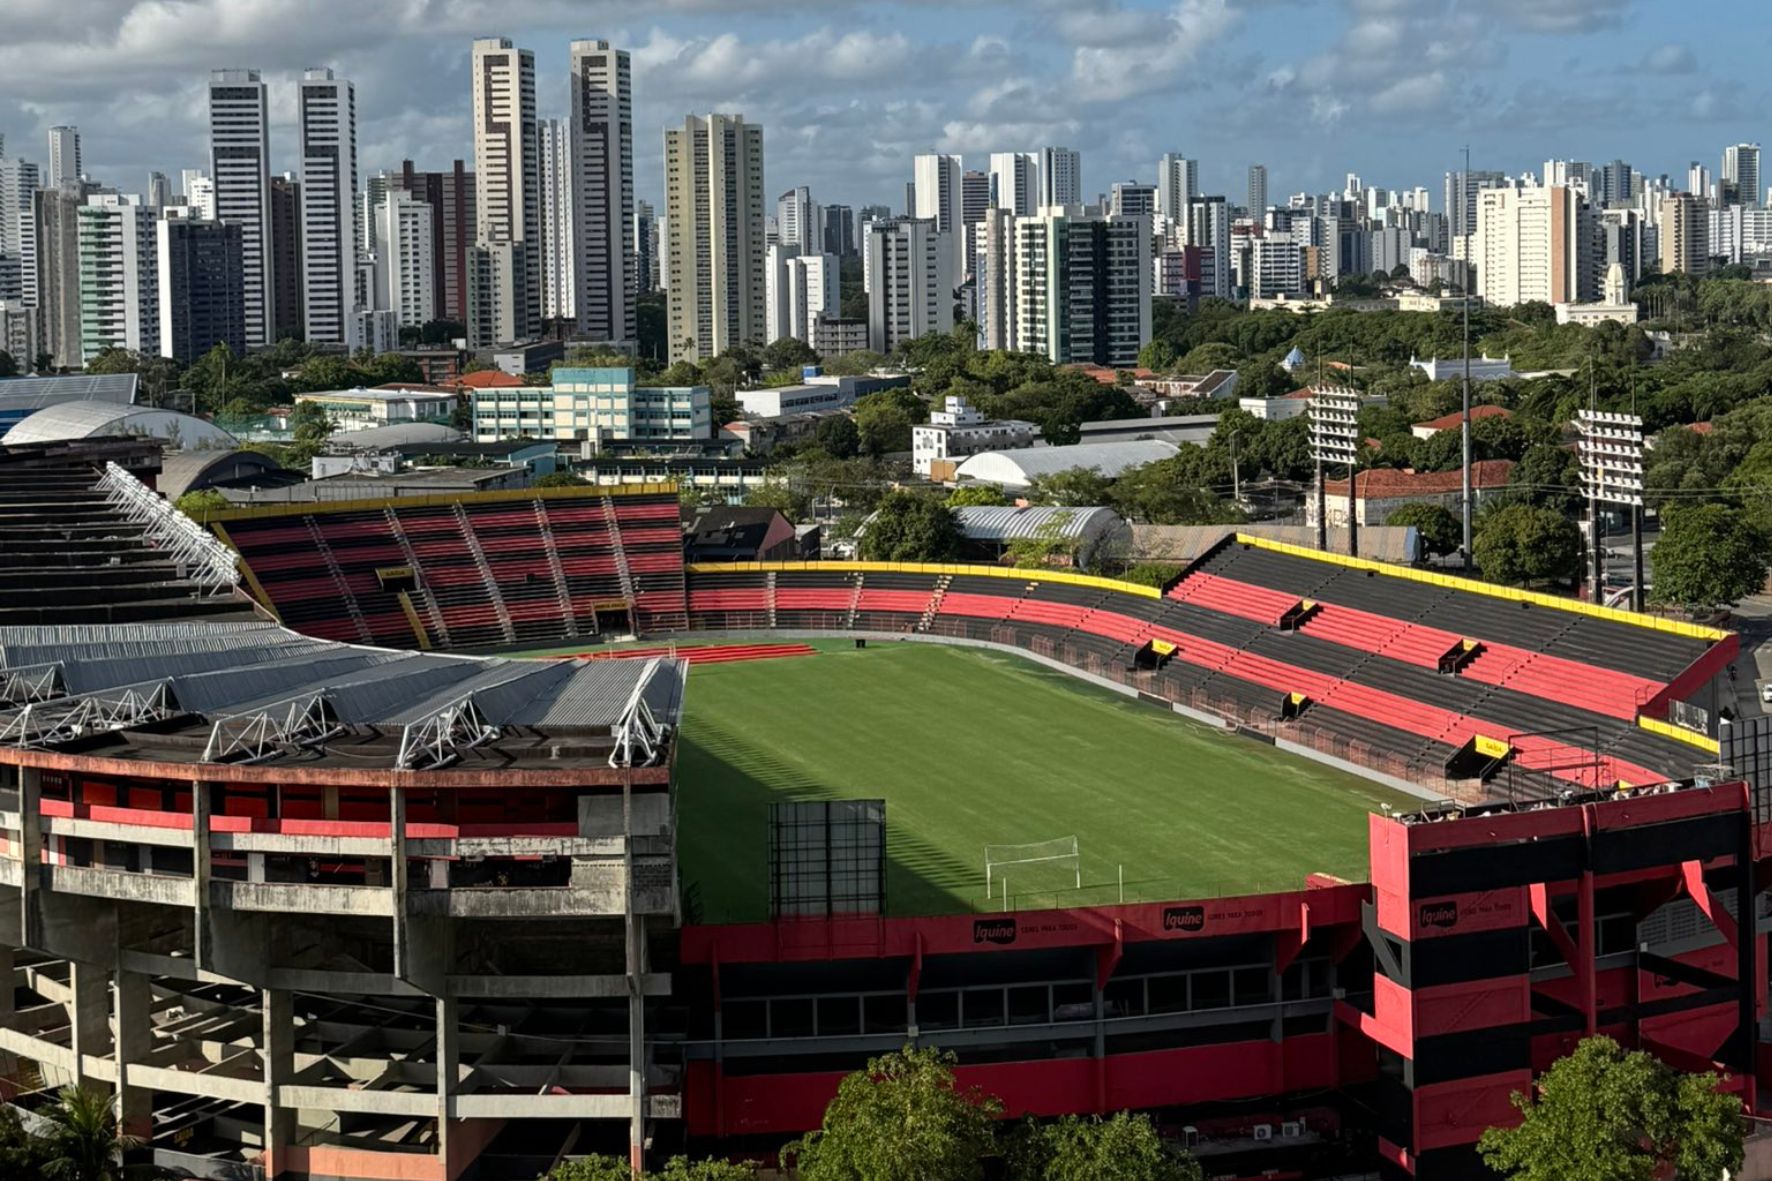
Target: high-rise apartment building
(1083,287)
(1276,267)
(645,259)
(65,166)
(507,179)
(1461,199)
(200,282)
(993,270)
(839,230)
(368,200)
(1061,177)
(603,193)
(798,222)
(1208,227)
(975,202)
(1684,234)
(405,268)
(327,114)
(1613,184)
(553,145)
(1178,182)
(911,288)
(1015,182)
(941,198)
(159,190)
(19,182)
(451,198)
(802,290)
(714,203)
(1741,174)
(240,168)
(56,237)
(1531,245)
(119,276)
(1131,198)
(1257,190)
(289,321)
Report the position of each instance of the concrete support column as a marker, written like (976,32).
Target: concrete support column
(134,1037)
(277,1057)
(636,1038)
(7,988)
(89,1017)
(203,936)
(448,1072)
(30,832)
(397,881)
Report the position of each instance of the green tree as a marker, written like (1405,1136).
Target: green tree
(309,424)
(977,495)
(856,364)
(1604,1114)
(1123,1147)
(1047,544)
(678,1168)
(557,479)
(902,1118)
(1150,573)
(21,1154)
(883,420)
(1708,556)
(1263,379)
(911,527)
(839,436)
(1077,487)
(1520,545)
(84,1141)
(790,352)
(198,505)
(326,372)
(591,1168)
(1439,530)
(8,366)
(1548,475)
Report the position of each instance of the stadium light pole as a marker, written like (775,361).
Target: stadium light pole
(1611,456)
(1465,428)
(1335,438)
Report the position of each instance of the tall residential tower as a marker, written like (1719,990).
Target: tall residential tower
(327,111)
(715,251)
(603,192)
(240,166)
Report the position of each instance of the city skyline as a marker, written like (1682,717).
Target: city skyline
(853,91)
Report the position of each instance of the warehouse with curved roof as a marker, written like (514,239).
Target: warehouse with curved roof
(1017,469)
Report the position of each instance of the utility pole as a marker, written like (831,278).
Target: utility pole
(1465,428)
(1236,477)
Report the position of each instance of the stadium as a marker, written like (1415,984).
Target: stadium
(442,837)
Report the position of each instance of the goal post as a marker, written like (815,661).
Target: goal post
(1055,852)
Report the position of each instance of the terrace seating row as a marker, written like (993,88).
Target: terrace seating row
(471,572)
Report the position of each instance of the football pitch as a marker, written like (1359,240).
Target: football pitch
(971,747)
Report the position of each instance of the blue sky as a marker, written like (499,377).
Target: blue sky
(848,90)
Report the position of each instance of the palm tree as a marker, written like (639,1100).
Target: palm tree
(85,1143)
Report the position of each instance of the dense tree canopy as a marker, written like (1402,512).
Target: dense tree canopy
(1708,556)
(911,527)
(1522,545)
(1123,1147)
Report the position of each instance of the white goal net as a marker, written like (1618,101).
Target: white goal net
(1038,863)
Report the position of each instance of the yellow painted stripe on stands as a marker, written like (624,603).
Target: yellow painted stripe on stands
(936,568)
(1679,734)
(252,582)
(1676,627)
(436,499)
(418,627)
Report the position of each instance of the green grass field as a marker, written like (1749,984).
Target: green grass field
(970,747)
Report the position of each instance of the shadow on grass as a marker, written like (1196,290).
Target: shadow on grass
(725,786)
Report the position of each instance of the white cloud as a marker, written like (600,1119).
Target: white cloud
(1161,60)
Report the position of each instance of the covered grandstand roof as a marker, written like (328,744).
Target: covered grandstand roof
(30,394)
(1017,469)
(92,419)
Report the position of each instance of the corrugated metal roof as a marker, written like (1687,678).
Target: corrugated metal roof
(1007,523)
(1020,467)
(85,420)
(35,393)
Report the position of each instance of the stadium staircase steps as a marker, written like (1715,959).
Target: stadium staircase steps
(479,554)
(854,601)
(424,601)
(929,612)
(625,574)
(352,607)
(551,549)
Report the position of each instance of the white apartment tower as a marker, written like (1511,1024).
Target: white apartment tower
(1207,225)
(64,157)
(803,289)
(19,181)
(558,286)
(798,221)
(405,279)
(507,184)
(941,200)
(1178,182)
(603,193)
(1015,182)
(1061,177)
(715,247)
(240,171)
(1257,190)
(327,111)
(911,290)
(1529,245)
(120,275)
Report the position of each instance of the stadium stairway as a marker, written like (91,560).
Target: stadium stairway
(70,556)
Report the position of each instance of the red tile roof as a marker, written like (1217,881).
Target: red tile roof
(490,379)
(1448,421)
(1700,428)
(1386,483)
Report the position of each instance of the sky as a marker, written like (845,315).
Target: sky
(848,91)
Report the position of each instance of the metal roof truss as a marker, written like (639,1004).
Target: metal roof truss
(275,730)
(49,723)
